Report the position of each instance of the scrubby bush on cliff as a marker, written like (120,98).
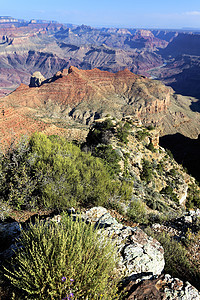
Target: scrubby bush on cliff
(123,132)
(137,211)
(109,156)
(147,170)
(57,260)
(168,190)
(53,173)
(101,133)
(193,197)
(142,134)
(150,146)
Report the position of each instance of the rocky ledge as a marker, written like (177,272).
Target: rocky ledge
(141,256)
(161,288)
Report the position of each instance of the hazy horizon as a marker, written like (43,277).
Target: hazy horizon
(127,14)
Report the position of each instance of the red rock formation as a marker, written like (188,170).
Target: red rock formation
(85,95)
(72,87)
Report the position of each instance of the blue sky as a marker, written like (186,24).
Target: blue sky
(124,13)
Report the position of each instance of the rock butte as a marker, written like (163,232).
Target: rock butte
(86,95)
(74,86)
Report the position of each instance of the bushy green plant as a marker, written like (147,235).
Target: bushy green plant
(100,133)
(141,134)
(172,172)
(151,147)
(54,173)
(137,211)
(126,165)
(123,132)
(110,157)
(146,174)
(160,168)
(4,210)
(16,180)
(150,127)
(155,202)
(168,190)
(193,197)
(56,260)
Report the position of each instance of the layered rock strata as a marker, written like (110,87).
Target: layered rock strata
(86,95)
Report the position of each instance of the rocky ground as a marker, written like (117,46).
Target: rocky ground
(141,257)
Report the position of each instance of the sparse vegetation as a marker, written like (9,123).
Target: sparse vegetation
(137,211)
(177,263)
(168,190)
(169,153)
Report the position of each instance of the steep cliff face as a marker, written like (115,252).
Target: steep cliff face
(182,74)
(183,43)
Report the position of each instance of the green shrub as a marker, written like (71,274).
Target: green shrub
(168,190)
(151,147)
(100,133)
(58,259)
(172,172)
(4,210)
(160,168)
(107,124)
(126,165)
(53,173)
(193,197)
(154,201)
(123,132)
(147,170)
(150,127)
(110,158)
(169,153)
(141,134)
(137,211)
